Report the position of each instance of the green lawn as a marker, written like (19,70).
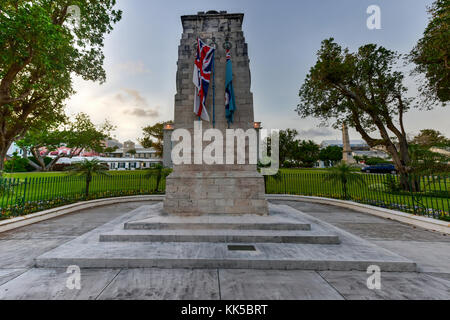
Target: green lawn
(27,193)
(23,175)
(432,201)
(30,192)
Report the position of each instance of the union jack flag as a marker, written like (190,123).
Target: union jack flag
(202,76)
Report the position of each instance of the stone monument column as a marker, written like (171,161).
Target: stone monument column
(196,189)
(347,156)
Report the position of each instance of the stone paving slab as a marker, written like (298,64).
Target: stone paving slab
(394,286)
(163,284)
(275,285)
(353,253)
(430,256)
(9,274)
(21,253)
(391,232)
(50,284)
(431,252)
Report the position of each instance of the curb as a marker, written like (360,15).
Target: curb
(10,224)
(423,222)
(420,221)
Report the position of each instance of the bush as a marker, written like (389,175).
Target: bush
(16,164)
(374,161)
(391,184)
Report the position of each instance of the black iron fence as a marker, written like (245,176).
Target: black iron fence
(28,195)
(421,195)
(426,195)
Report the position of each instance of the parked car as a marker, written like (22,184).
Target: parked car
(380,168)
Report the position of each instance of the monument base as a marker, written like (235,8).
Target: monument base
(191,193)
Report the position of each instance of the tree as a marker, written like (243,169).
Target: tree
(358,159)
(153,132)
(431,138)
(87,169)
(343,174)
(132,152)
(363,90)
(288,144)
(159,173)
(42,46)
(110,149)
(79,135)
(426,162)
(432,54)
(307,152)
(331,154)
(16,164)
(372,161)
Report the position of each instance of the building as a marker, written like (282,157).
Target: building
(14,148)
(370,154)
(354,144)
(118,164)
(141,153)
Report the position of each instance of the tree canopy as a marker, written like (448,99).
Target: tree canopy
(431,138)
(364,90)
(154,137)
(432,54)
(331,154)
(78,135)
(41,47)
(288,143)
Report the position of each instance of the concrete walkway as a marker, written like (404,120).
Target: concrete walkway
(19,280)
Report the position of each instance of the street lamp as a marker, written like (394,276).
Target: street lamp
(168,126)
(257,125)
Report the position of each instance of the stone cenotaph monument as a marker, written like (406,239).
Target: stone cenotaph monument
(219,188)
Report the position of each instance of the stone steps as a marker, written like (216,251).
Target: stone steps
(244,242)
(220,236)
(215,226)
(268,256)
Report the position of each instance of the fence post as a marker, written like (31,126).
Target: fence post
(24,194)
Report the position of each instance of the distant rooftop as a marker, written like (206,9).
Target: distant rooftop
(353,143)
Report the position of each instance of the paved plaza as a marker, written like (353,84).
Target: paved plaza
(19,279)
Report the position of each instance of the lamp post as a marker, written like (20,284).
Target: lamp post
(167,145)
(257,127)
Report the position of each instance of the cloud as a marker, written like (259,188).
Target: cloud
(131,96)
(316,132)
(132,67)
(139,112)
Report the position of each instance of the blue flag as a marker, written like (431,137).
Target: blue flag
(230,101)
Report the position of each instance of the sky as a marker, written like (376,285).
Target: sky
(283,37)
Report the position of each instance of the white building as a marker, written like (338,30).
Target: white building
(115,163)
(14,148)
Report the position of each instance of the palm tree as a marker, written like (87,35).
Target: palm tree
(158,172)
(344,174)
(88,168)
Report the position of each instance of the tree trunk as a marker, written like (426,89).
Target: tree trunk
(3,150)
(344,188)
(88,182)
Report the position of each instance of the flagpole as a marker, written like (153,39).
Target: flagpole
(214,89)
